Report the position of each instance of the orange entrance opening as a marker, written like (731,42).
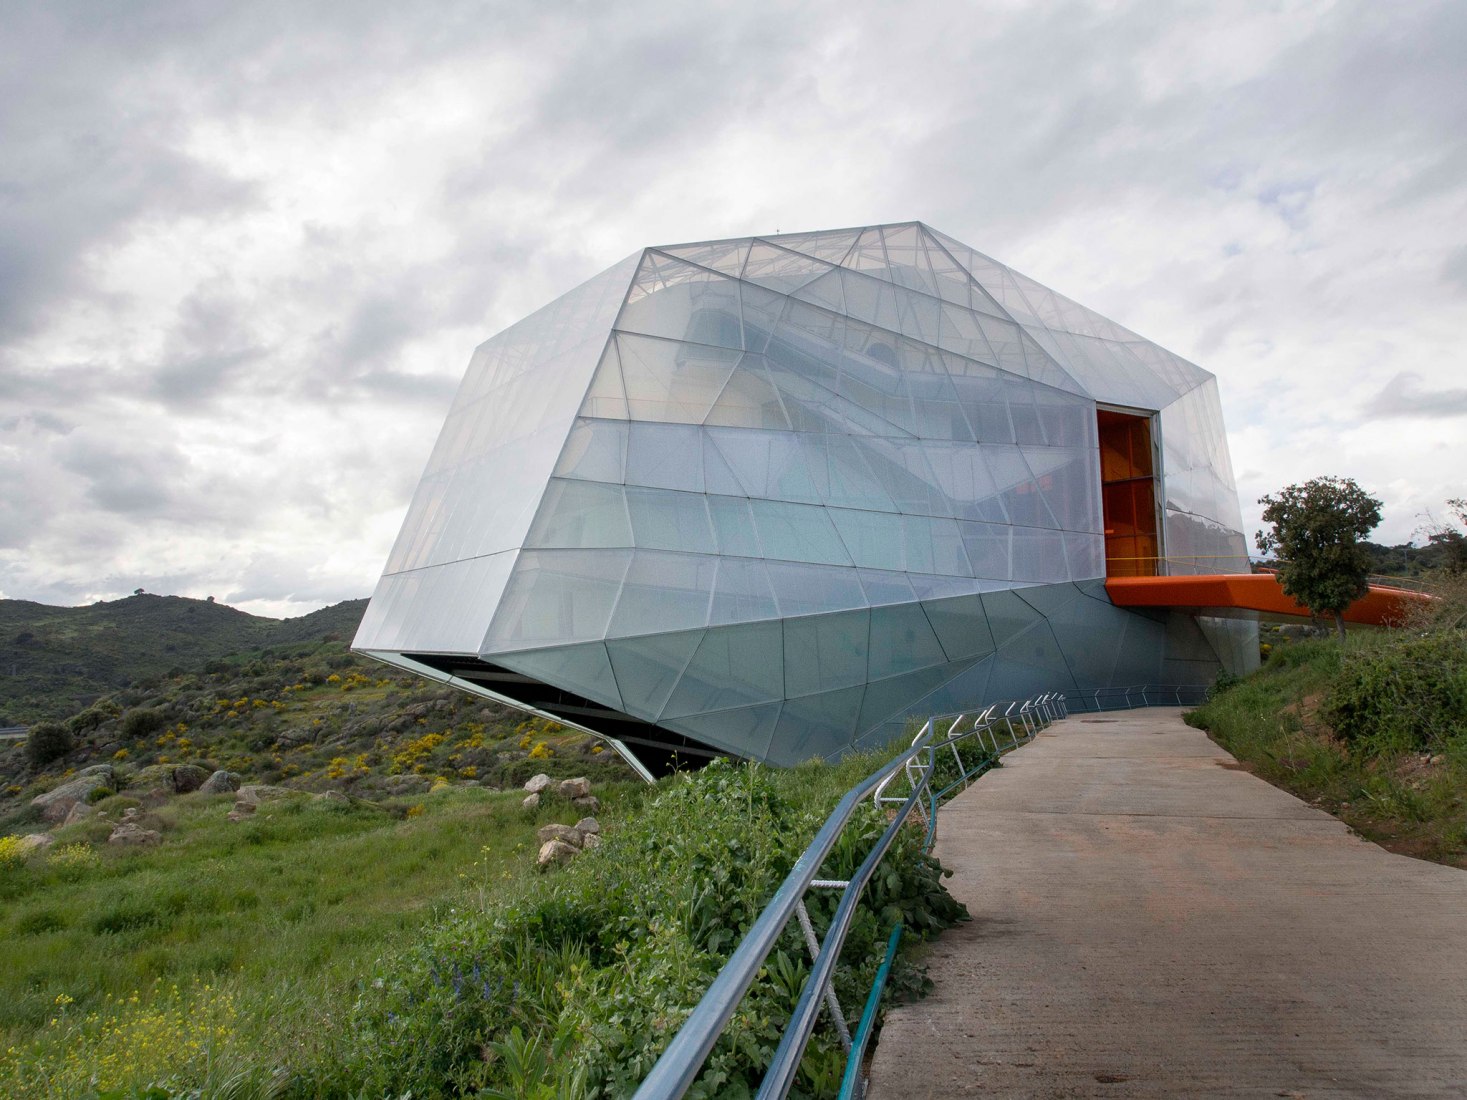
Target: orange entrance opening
(1128,494)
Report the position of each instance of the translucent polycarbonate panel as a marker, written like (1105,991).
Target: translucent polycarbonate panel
(746,731)
(1203,523)
(734,666)
(581,514)
(557,596)
(678,301)
(583,669)
(901,695)
(595,450)
(725,256)
(961,627)
(672,380)
(874,540)
(1048,599)
(1039,556)
(742,592)
(816,726)
(902,640)
(1234,640)
(1008,616)
(438,609)
(778,269)
(766,464)
(506,428)
(824,652)
(885,587)
(647,669)
(733,526)
(748,399)
(802,589)
(665,456)
(797,532)
(1029,664)
(989,547)
(663,520)
(663,592)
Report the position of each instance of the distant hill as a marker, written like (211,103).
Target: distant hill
(55,661)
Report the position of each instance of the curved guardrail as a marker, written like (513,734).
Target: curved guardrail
(680,1063)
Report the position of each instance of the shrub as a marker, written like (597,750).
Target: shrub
(1411,695)
(45,742)
(141,722)
(484,995)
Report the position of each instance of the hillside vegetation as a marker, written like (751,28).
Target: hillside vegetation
(1374,731)
(56,660)
(373,921)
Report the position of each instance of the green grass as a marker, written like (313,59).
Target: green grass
(1276,723)
(270,921)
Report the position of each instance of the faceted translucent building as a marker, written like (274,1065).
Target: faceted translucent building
(770,496)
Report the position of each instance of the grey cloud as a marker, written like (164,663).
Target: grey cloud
(1406,396)
(1454,270)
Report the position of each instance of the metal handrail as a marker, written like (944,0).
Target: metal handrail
(681,1062)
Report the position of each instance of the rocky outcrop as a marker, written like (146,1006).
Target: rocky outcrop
(221,782)
(130,832)
(537,784)
(55,804)
(33,842)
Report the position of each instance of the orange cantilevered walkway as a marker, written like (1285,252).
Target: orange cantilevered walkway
(1260,592)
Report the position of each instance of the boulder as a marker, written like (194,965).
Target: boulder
(57,803)
(80,812)
(34,842)
(556,851)
(588,826)
(99,769)
(579,787)
(567,833)
(252,794)
(537,783)
(130,832)
(590,803)
(221,782)
(188,777)
(592,841)
(531,801)
(336,798)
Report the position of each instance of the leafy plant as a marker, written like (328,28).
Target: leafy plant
(45,742)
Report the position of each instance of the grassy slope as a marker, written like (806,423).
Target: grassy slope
(263,926)
(1410,802)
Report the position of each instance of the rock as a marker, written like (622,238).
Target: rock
(131,813)
(1439,758)
(34,842)
(99,769)
(80,812)
(57,803)
(253,794)
(590,803)
(129,832)
(575,788)
(588,826)
(592,841)
(531,801)
(221,782)
(188,777)
(241,811)
(538,783)
(336,798)
(567,833)
(556,851)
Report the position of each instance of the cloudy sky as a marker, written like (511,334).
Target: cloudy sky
(246,249)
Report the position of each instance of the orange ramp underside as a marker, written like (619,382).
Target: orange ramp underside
(1260,592)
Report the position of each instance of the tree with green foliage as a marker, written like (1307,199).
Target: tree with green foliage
(1317,529)
(1453,542)
(45,742)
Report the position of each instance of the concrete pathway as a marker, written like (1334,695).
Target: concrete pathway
(1151,921)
